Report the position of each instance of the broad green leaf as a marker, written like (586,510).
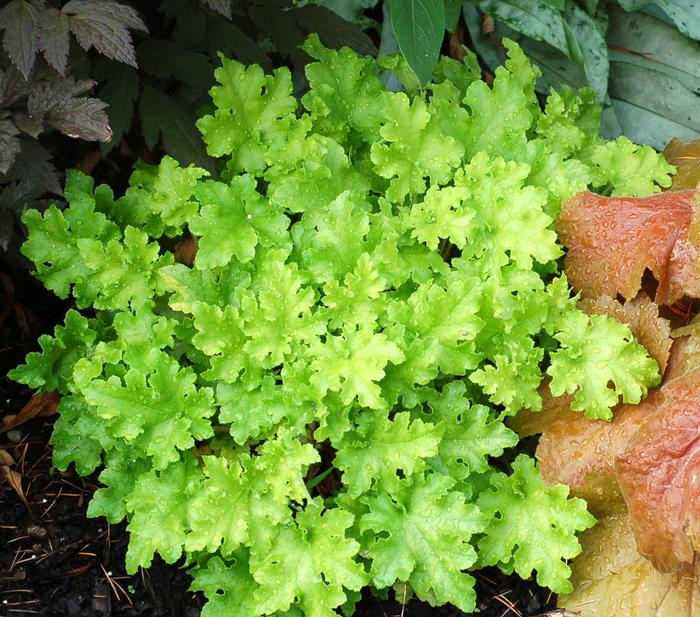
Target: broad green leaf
(419,27)
(537,19)
(158,512)
(428,528)
(600,362)
(379,447)
(251,111)
(52,368)
(159,414)
(587,39)
(472,433)
(521,536)
(311,563)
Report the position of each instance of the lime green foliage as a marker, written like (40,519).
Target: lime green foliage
(321,332)
(525,520)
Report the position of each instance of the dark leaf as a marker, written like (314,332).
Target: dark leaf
(9,144)
(333,30)
(452,11)
(228,39)
(419,26)
(165,116)
(54,41)
(85,118)
(34,171)
(119,92)
(351,10)
(223,7)
(104,25)
(31,125)
(20,21)
(163,58)
(59,103)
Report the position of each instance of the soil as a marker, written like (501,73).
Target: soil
(56,562)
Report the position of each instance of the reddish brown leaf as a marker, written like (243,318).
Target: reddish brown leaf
(659,475)
(686,158)
(574,447)
(612,241)
(39,405)
(611,579)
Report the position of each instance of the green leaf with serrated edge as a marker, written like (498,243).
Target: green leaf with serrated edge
(220,336)
(632,170)
(419,27)
(252,110)
(379,447)
(310,562)
(446,315)
(513,376)
(228,586)
(471,432)
(352,363)
(159,414)
(322,172)
(504,206)
(261,487)
(535,528)
(142,335)
(600,361)
(62,269)
(221,287)
(428,527)
(119,477)
(359,298)
(254,410)
(78,437)
(501,115)
(52,368)
(441,215)
(237,207)
(413,147)
(330,242)
(346,95)
(280,313)
(158,512)
(168,191)
(122,271)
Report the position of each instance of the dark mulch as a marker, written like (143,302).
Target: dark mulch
(56,562)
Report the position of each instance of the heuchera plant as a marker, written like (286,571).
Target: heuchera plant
(375,288)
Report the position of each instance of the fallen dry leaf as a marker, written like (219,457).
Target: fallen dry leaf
(12,477)
(40,405)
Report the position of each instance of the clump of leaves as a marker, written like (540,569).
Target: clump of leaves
(640,57)
(638,471)
(363,306)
